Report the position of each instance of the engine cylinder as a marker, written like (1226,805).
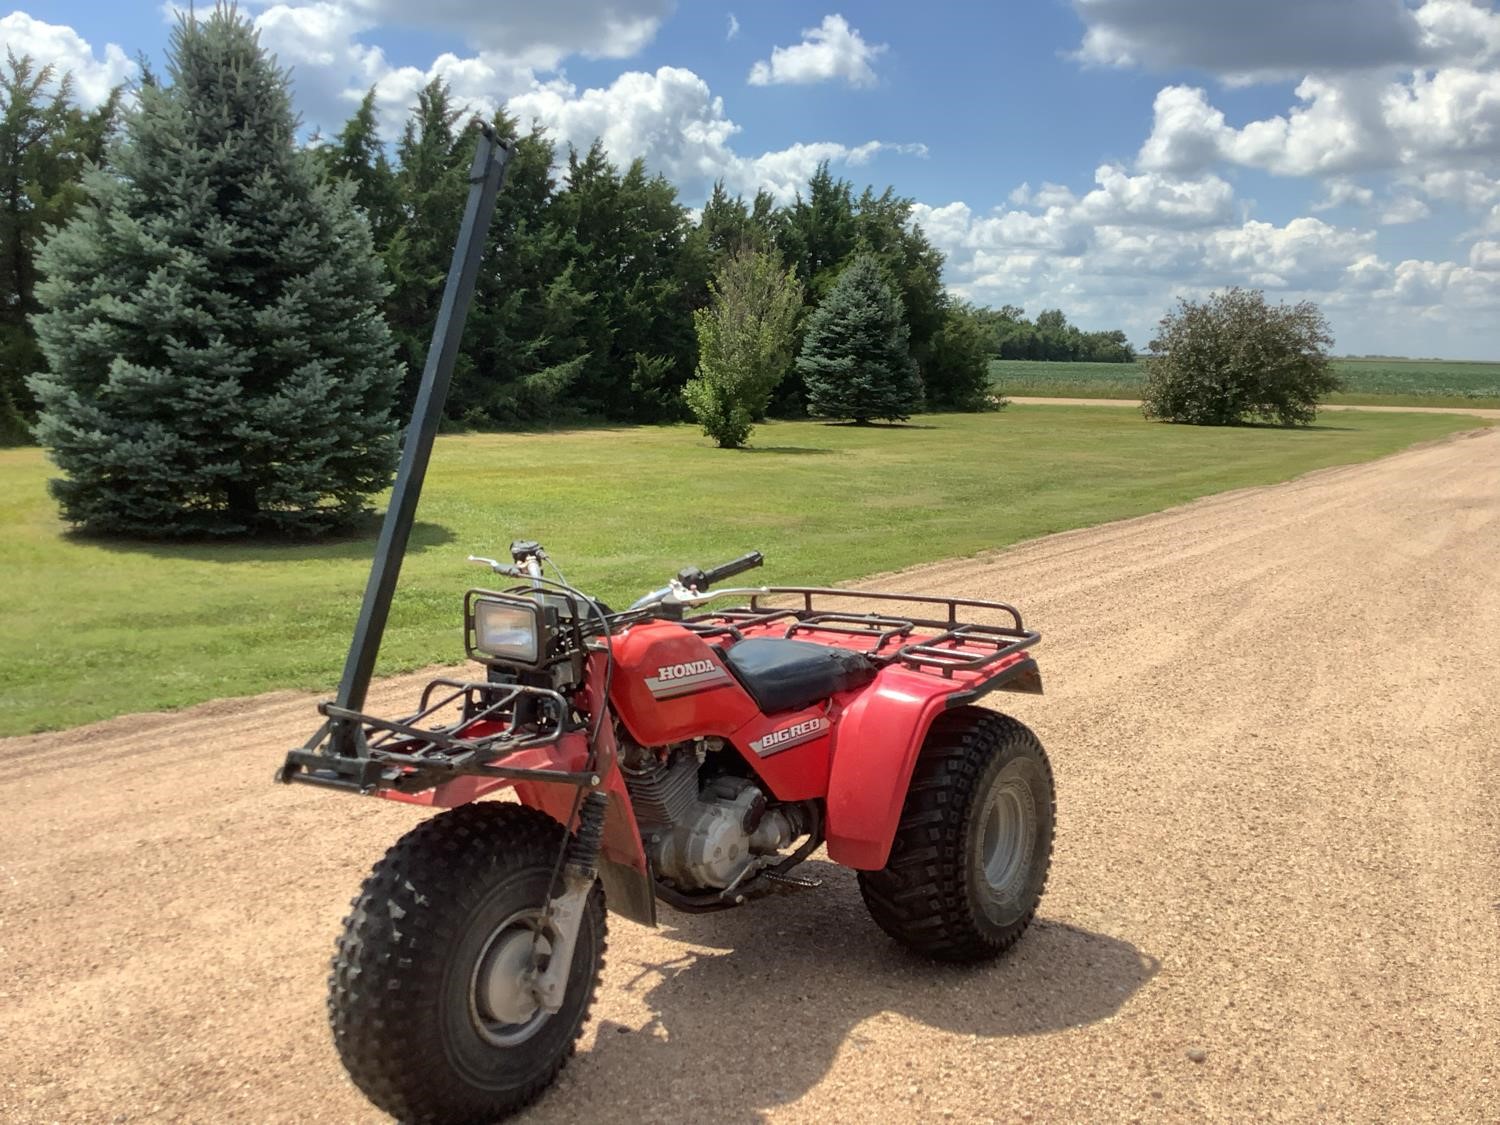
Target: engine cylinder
(664,793)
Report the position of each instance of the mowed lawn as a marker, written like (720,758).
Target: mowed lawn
(1382,382)
(91,629)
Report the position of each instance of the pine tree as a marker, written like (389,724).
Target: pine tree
(625,235)
(855,361)
(357,155)
(913,265)
(433,159)
(527,350)
(219,365)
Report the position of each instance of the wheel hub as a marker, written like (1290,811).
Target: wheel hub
(1005,839)
(503,1004)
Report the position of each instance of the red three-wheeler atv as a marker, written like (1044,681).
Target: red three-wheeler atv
(676,752)
(696,756)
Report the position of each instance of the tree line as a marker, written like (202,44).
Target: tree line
(1009,335)
(585,306)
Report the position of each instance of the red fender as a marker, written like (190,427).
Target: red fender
(874,752)
(623,867)
(622,839)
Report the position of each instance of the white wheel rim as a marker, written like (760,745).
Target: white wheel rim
(1007,830)
(500,1001)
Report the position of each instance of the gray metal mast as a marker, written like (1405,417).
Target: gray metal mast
(491,156)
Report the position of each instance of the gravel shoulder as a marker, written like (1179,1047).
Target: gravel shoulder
(1273,716)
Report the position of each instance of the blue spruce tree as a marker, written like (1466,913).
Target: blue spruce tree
(218,362)
(855,362)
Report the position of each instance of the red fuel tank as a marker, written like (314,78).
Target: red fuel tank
(669,685)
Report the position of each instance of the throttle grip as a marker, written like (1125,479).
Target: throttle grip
(730,569)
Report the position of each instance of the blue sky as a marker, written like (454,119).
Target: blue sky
(1102,156)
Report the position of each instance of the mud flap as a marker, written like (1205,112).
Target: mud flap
(628,892)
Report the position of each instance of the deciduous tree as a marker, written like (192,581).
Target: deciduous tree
(1234,357)
(745,339)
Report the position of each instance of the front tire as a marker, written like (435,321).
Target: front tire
(971,853)
(423,1013)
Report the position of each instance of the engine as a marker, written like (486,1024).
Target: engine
(704,835)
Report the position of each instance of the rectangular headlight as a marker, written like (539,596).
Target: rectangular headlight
(508,631)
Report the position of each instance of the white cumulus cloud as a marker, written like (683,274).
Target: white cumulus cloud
(512,46)
(538,34)
(678,125)
(1485,255)
(1404,209)
(1277,39)
(832,50)
(94,74)
(1339,192)
(1241,41)
(1121,253)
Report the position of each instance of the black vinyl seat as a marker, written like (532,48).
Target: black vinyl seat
(782,675)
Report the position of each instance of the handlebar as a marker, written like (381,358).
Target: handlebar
(690,586)
(730,569)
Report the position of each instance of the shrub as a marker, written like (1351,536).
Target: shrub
(1232,357)
(956,375)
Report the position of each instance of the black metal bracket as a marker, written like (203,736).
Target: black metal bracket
(434,745)
(486,174)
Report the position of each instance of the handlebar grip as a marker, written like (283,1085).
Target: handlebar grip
(730,569)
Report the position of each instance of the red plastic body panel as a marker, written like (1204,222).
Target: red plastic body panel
(875,750)
(658,712)
(792,771)
(669,686)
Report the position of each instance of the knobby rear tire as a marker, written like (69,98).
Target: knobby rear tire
(933,895)
(400,992)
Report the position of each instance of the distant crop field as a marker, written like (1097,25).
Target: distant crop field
(1395,382)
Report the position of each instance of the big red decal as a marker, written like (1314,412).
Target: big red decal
(787,737)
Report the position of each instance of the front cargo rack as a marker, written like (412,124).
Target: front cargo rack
(433,745)
(942,644)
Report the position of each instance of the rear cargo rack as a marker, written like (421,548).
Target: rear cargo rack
(942,644)
(421,750)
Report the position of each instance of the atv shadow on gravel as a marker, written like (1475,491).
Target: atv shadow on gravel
(739,1032)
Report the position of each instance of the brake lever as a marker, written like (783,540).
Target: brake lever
(681,595)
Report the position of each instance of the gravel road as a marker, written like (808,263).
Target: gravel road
(1275,720)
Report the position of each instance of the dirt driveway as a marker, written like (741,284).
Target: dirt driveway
(1275,719)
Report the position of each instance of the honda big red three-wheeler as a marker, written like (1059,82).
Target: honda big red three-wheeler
(693,750)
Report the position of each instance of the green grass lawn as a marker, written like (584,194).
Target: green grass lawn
(93,629)
(1387,382)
